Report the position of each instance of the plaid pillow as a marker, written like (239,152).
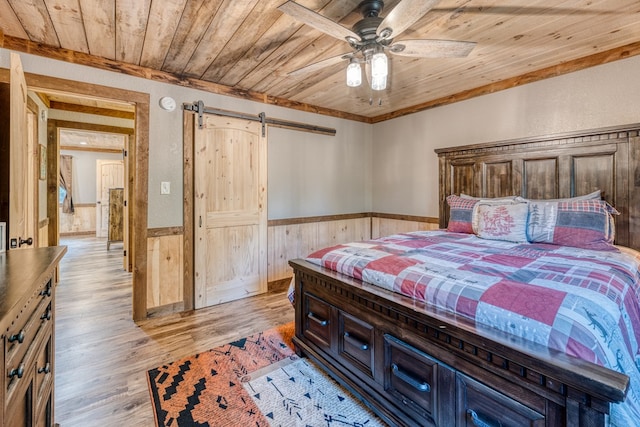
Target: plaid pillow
(584,224)
(460,214)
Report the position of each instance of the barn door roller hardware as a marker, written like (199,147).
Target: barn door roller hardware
(199,108)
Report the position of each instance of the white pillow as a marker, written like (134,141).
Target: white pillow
(506,222)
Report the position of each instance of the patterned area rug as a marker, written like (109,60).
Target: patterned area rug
(256,381)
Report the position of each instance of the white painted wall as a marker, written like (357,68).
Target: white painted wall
(405,180)
(308,174)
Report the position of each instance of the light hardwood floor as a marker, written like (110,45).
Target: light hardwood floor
(102,356)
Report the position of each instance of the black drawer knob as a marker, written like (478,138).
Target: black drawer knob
(46,315)
(46,369)
(17,337)
(46,291)
(17,372)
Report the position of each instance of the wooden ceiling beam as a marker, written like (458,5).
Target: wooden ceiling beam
(26,46)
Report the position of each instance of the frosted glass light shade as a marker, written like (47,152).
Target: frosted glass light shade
(379,66)
(354,74)
(378,82)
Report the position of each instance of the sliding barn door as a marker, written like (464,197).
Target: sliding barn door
(230,210)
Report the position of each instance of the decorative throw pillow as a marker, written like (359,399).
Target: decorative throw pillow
(584,224)
(460,214)
(504,221)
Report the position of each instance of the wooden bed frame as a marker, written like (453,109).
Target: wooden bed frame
(418,366)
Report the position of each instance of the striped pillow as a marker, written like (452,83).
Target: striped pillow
(460,214)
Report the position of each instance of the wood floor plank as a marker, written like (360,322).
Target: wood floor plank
(102,356)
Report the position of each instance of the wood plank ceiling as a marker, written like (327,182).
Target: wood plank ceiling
(246,48)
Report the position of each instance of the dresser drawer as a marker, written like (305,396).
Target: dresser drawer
(23,330)
(356,342)
(317,320)
(479,405)
(418,384)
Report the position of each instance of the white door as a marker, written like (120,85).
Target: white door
(230,210)
(109,174)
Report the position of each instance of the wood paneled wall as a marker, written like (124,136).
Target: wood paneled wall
(164,270)
(287,239)
(82,221)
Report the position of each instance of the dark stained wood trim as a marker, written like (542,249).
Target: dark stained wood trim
(53,172)
(342,217)
(165,231)
(427,219)
(56,105)
(93,127)
(93,149)
(622,52)
(26,46)
(310,219)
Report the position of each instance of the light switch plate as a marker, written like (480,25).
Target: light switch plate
(165,187)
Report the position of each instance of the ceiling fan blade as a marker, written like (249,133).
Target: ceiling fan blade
(404,15)
(318,65)
(432,48)
(317,21)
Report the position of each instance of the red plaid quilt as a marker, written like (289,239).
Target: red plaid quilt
(583,302)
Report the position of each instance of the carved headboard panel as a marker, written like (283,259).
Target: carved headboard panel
(552,167)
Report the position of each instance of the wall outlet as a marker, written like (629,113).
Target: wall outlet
(165,187)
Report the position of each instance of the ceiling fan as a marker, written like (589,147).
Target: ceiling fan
(371,36)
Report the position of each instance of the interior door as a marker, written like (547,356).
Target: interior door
(230,210)
(22,218)
(109,174)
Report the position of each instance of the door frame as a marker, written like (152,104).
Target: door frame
(138,171)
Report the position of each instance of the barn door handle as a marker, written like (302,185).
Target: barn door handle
(200,222)
(403,376)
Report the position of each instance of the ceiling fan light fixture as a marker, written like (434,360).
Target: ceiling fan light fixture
(378,82)
(379,65)
(354,74)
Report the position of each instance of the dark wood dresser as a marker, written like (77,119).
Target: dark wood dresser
(27,295)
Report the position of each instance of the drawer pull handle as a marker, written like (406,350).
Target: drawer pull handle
(46,291)
(46,369)
(316,319)
(17,337)
(17,372)
(403,376)
(476,419)
(46,316)
(363,346)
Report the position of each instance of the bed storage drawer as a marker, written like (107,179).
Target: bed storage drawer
(479,405)
(356,342)
(418,384)
(317,321)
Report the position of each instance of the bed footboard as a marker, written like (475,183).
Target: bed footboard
(416,366)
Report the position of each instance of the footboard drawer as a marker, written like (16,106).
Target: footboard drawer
(479,405)
(317,321)
(356,342)
(418,384)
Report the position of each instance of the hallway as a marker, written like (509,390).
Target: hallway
(102,355)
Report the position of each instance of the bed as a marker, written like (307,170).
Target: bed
(458,327)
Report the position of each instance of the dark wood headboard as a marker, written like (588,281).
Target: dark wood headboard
(550,167)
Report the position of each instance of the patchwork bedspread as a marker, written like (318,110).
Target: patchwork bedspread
(582,302)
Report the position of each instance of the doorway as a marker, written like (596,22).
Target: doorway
(137,174)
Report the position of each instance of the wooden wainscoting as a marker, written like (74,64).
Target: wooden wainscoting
(165,264)
(287,239)
(81,221)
